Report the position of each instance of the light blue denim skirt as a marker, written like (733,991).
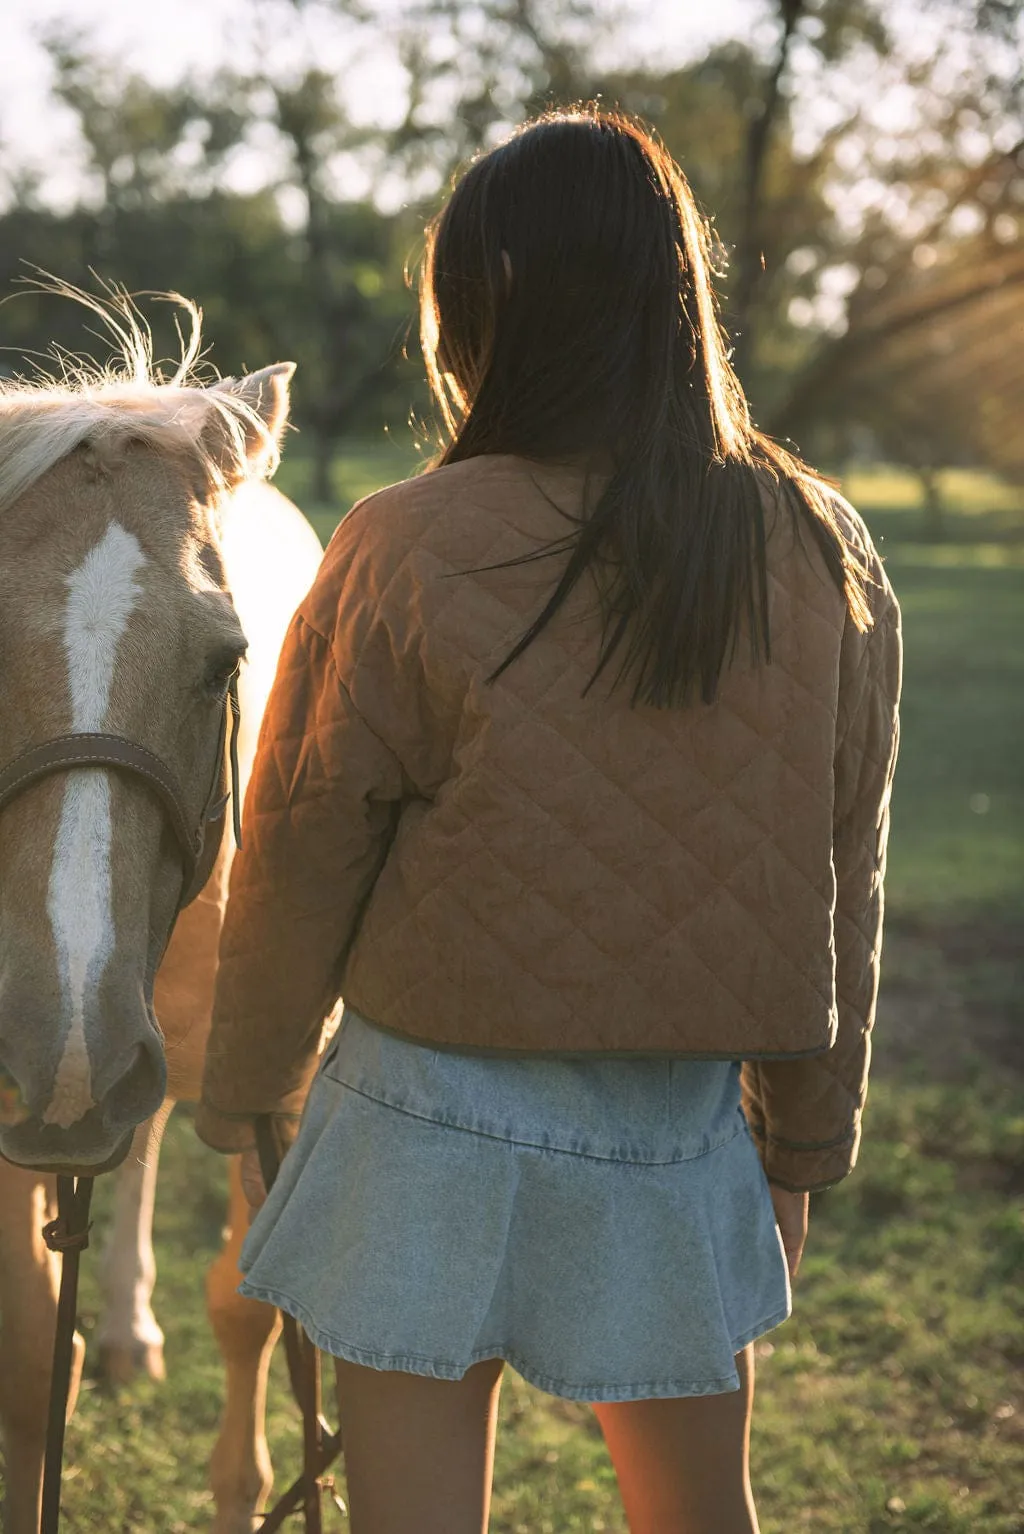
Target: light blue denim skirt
(603,1225)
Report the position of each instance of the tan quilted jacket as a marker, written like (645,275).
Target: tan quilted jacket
(517,867)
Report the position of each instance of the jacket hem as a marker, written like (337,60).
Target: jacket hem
(814,1187)
(802,1145)
(584,1054)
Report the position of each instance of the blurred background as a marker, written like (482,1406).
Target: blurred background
(862,162)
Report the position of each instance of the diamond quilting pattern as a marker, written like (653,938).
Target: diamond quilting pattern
(567,873)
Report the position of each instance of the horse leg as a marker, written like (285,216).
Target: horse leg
(128,1334)
(29,1281)
(246,1330)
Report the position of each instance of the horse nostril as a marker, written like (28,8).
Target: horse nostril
(138,1091)
(13,1107)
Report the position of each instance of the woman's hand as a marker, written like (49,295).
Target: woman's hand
(253,1185)
(791,1214)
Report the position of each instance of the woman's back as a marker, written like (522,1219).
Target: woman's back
(571,872)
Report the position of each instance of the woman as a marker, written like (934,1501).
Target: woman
(574,782)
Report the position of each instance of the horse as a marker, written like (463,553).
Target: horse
(146,570)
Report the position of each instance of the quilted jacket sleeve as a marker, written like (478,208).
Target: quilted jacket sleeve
(805,1115)
(320,812)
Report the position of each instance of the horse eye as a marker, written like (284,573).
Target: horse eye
(220,670)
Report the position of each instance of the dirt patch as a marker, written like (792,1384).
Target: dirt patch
(951,992)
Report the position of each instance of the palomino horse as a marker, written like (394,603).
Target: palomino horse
(140,560)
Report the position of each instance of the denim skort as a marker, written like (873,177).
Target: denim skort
(603,1225)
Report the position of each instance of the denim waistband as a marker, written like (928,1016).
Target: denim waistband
(644,1111)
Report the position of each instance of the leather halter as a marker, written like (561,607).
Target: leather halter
(67,753)
(69,1233)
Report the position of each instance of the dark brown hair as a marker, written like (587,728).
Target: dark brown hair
(567,312)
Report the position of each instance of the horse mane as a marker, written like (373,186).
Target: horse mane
(80,401)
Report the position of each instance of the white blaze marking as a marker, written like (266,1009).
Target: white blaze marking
(101,595)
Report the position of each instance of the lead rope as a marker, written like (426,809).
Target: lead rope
(320,1446)
(68,1234)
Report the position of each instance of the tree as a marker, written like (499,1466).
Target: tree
(869,276)
(898,319)
(702,113)
(925,358)
(474,68)
(328,293)
(143,143)
(348,310)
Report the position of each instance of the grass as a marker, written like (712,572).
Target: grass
(958,807)
(976,507)
(360,469)
(894,1397)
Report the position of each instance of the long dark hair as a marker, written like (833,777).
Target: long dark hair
(567,312)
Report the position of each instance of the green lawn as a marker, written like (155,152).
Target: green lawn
(894,1398)
(358,470)
(958,807)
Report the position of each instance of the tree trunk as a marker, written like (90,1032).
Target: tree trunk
(321,490)
(935,528)
(747,260)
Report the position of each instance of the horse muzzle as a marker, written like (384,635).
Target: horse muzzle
(88,1149)
(33,1135)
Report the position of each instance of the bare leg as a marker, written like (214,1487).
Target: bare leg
(246,1330)
(29,1279)
(683,1464)
(419,1453)
(128,1334)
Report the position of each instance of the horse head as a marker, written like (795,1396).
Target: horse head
(115,621)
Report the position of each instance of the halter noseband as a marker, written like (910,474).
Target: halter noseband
(66,753)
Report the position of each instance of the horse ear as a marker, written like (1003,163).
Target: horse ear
(266,394)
